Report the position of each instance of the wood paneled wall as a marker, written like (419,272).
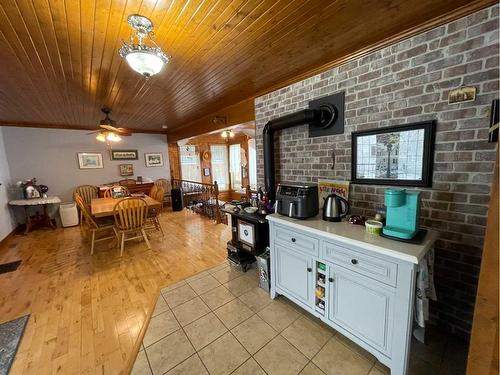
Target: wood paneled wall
(203,144)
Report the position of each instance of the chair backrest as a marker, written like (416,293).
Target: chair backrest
(163,183)
(152,192)
(108,193)
(127,181)
(84,208)
(158,194)
(87,192)
(130,213)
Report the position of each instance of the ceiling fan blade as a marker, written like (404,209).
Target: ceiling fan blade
(97,131)
(124,131)
(111,128)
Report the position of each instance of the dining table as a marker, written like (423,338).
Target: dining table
(102,207)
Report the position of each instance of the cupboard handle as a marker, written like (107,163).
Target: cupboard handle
(309,269)
(330,279)
(293,239)
(354,261)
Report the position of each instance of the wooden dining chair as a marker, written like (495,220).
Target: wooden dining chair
(154,214)
(108,193)
(165,184)
(95,226)
(86,192)
(130,217)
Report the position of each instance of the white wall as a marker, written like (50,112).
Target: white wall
(50,155)
(6,223)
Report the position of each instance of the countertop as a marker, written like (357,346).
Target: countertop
(351,234)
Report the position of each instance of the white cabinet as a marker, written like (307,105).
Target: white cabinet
(362,306)
(368,295)
(294,274)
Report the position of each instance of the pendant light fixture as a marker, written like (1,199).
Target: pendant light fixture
(144,59)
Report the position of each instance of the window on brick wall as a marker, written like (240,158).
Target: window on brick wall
(190,163)
(220,166)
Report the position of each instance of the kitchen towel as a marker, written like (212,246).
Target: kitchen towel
(425,292)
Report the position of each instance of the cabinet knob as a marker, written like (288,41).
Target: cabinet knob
(293,239)
(309,269)
(354,261)
(330,279)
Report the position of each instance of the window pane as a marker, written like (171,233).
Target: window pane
(235,166)
(190,163)
(252,164)
(220,167)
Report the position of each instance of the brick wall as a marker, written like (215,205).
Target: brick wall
(407,82)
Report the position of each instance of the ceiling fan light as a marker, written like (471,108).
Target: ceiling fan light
(231,134)
(112,137)
(100,137)
(224,134)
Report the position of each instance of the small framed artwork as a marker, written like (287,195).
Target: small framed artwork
(124,155)
(461,95)
(398,155)
(90,160)
(126,169)
(206,171)
(154,159)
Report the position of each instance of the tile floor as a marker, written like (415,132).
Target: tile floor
(219,322)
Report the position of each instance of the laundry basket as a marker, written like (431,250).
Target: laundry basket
(69,214)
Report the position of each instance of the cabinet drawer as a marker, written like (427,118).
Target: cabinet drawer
(378,269)
(296,241)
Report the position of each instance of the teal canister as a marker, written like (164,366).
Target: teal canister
(395,197)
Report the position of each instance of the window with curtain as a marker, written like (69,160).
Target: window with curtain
(190,163)
(220,166)
(235,166)
(252,164)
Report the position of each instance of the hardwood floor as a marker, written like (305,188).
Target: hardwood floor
(87,311)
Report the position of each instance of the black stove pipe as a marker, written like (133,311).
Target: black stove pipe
(306,116)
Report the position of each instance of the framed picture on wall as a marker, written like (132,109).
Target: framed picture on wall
(154,159)
(126,169)
(124,155)
(397,155)
(90,160)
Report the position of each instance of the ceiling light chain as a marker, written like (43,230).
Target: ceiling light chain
(144,59)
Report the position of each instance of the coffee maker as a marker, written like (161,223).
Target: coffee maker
(403,211)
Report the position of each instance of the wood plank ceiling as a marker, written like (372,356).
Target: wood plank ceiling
(59,60)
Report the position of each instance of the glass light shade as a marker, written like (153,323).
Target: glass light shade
(101,137)
(231,134)
(144,63)
(112,137)
(224,134)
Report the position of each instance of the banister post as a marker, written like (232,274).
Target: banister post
(217,211)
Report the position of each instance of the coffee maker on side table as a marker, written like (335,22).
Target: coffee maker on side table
(403,211)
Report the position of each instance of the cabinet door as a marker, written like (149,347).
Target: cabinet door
(294,274)
(361,306)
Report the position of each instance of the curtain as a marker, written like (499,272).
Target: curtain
(190,163)
(252,164)
(220,166)
(235,166)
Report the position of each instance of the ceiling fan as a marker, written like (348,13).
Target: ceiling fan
(107,131)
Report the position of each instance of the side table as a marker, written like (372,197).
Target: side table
(44,218)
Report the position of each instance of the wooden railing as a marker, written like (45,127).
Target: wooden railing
(200,197)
